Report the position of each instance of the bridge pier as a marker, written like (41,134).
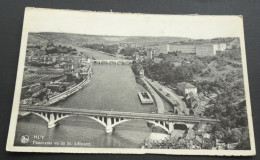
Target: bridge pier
(109,128)
(51,122)
(171,128)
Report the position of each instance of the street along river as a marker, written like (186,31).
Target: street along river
(111,88)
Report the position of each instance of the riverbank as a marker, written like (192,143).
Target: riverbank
(158,136)
(59,97)
(168,95)
(156,97)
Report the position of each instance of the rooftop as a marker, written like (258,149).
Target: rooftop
(183,85)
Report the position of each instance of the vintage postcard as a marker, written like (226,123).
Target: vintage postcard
(97,82)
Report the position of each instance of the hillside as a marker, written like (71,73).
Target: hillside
(81,38)
(225,77)
(213,71)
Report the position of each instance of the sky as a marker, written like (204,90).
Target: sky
(127,24)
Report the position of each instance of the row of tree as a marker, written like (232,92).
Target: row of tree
(167,72)
(51,48)
(111,49)
(128,51)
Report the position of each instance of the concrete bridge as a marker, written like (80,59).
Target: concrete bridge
(111,61)
(110,119)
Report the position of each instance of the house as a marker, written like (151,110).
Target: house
(232,146)
(206,137)
(141,73)
(220,145)
(157,60)
(149,54)
(176,64)
(197,141)
(185,88)
(175,60)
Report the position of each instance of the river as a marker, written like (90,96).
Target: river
(111,88)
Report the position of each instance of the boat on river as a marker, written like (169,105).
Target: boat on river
(65,94)
(145,98)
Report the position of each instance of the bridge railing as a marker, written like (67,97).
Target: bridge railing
(129,115)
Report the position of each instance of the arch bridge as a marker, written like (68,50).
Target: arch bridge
(111,61)
(110,119)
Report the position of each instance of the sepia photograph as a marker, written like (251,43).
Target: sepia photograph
(100,82)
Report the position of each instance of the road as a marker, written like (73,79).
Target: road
(157,98)
(172,97)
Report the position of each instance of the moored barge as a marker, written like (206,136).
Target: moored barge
(145,98)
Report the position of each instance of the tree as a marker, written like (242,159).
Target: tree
(245,140)
(236,136)
(171,143)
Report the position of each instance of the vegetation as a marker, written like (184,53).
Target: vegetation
(128,51)
(170,74)
(36,64)
(51,48)
(233,54)
(233,126)
(136,67)
(224,80)
(171,143)
(111,49)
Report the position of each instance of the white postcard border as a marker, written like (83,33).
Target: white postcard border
(13,120)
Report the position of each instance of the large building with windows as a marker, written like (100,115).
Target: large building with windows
(221,46)
(184,48)
(199,50)
(206,50)
(185,88)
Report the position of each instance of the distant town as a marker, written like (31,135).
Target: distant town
(195,77)
(50,77)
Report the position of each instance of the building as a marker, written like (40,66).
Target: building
(206,50)
(165,48)
(54,59)
(176,64)
(183,48)
(157,60)
(141,73)
(34,59)
(175,60)
(149,54)
(185,88)
(221,46)
(199,50)
(51,71)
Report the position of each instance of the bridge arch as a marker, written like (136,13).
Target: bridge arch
(108,122)
(181,126)
(41,115)
(162,125)
(53,118)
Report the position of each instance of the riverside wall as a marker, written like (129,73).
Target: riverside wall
(156,97)
(175,106)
